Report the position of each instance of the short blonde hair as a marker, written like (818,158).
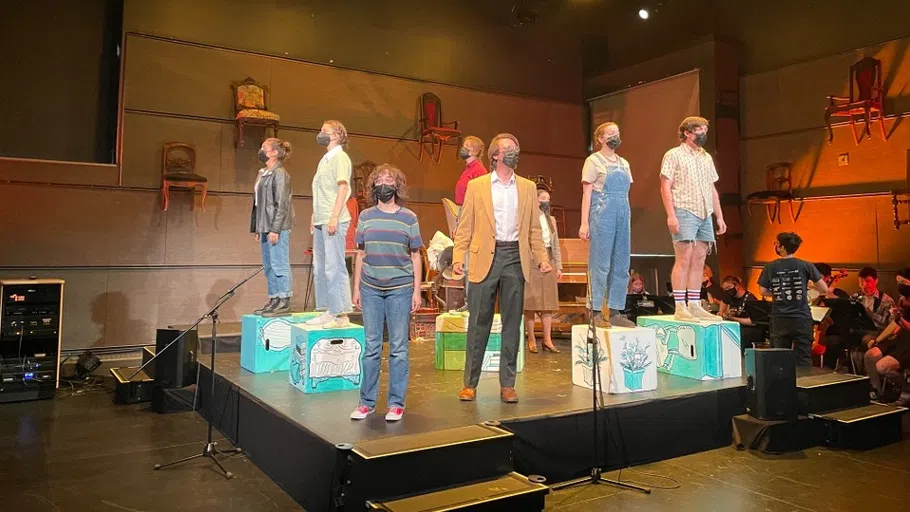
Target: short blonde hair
(474,145)
(599,132)
(494,145)
(401,182)
(690,123)
(338,128)
(283,148)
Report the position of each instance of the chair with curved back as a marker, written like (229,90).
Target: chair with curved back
(432,128)
(866,97)
(251,108)
(179,171)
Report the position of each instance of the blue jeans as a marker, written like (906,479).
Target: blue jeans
(392,309)
(276,263)
(611,242)
(693,228)
(330,275)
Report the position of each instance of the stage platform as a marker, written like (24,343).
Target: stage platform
(295,438)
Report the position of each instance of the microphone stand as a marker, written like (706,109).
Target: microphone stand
(209,450)
(596,476)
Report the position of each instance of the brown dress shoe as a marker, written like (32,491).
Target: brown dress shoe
(601,320)
(508,395)
(466,395)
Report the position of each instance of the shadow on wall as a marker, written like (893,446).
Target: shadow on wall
(112,308)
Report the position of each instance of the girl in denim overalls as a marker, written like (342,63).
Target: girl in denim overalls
(606,221)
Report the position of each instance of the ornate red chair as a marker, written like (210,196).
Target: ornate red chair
(432,127)
(866,97)
(779,187)
(179,171)
(900,197)
(251,108)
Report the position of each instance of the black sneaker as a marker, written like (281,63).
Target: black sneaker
(269,306)
(283,307)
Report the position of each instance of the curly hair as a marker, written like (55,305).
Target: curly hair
(338,128)
(690,124)
(283,148)
(401,182)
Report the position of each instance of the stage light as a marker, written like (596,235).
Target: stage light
(644,14)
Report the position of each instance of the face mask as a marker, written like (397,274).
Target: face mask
(638,288)
(731,293)
(510,159)
(700,139)
(545,206)
(323,139)
(464,154)
(384,193)
(614,142)
(904,290)
(262,156)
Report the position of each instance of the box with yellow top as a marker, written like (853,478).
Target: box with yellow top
(452,338)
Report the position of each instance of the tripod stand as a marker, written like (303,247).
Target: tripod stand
(596,477)
(209,450)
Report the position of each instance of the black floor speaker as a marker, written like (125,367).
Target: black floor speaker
(176,366)
(771,384)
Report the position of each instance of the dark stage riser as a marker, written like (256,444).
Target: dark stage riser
(557,446)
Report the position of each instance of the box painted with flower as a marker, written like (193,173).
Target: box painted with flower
(625,356)
(265,342)
(696,350)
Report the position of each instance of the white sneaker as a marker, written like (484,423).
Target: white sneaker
(682,314)
(322,319)
(394,414)
(361,412)
(701,314)
(338,322)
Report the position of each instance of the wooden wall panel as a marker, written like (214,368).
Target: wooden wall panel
(163,76)
(305,95)
(144,137)
(80,226)
(50,171)
(794,97)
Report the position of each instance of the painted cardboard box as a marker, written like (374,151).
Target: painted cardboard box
(326,360)
(625,356)
(451,340)
(265,343)
(697,350)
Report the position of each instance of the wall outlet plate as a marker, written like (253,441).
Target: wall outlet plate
(843,159)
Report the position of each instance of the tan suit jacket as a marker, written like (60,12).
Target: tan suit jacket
(476,231)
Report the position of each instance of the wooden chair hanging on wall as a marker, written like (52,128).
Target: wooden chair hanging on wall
(779,188)
(866,98)
(898,198)
(251,108)
(178,170)
(432,128)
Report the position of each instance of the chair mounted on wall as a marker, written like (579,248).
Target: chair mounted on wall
(178,170)
(899,197)
(432,127)
(251,108)
(779,187)
(866,98)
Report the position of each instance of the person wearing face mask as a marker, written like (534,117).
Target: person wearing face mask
(786,280)
(499,224)
(637,284)
(690,197)
(471,150)
(733,308)
(386,286)
(541,294)
(271,221)
(606,220)
(329,226)
(887,354)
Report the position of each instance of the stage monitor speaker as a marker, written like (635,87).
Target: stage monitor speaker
(176,366)
(771,384)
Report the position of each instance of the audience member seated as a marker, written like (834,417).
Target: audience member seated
(878,306)
(710,292)
(637,284)
(732,307)
(888,356)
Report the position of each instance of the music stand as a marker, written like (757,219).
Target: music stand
(640,305)
(666,305)
(759,312)
(850,314)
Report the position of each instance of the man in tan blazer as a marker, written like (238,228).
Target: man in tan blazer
(499,226)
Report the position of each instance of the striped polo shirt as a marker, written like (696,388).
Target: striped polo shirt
(388,240)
